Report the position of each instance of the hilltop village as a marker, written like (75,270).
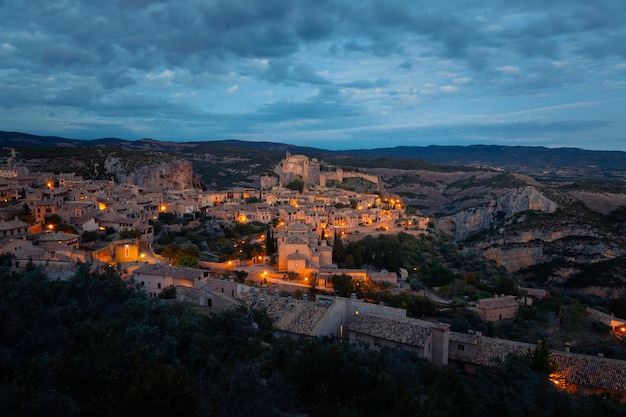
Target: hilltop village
(46,218)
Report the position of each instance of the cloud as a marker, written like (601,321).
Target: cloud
(509,69)
(331,65)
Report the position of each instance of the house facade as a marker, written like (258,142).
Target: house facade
(153,278)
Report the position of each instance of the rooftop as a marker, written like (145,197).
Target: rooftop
(403,330)
(296,316)
(170,271)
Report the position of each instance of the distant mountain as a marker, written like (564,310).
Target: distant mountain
(535,160)
(25,139)
(533,156)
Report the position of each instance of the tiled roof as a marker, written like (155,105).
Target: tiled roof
(12,224)
(403,330)
(297,256)
(297,226)
(582,370)
(592,371)
(498,302)
(297,240)
(296,316)
(490,351)
(54,236)
(169,271)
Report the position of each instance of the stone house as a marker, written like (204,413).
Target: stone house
(497,308)
(403,333)
(14,227)
(206,297)
(45,209)
(344,218)
(301,251)
(55,240)
(153,278)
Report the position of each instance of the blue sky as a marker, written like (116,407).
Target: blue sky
(334,74)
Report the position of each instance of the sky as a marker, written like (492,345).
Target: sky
(332,74)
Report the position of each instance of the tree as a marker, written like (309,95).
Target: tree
(170,252)
(342,284)
(66,228)
(240,276)
(25,214)
(187,261)
(339,250)
(270,242)
(168,293)
(507,285)
(130,234)
(187,256)
(54,219)
(91,236)
(296,185)
(541,359)
(350,262)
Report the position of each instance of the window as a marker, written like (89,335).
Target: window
(461,347)
(159,285)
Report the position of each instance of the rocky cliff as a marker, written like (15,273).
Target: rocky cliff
(503,206)
(559,232)
(148,169)
(171,174)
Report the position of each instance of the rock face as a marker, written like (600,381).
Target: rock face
(514,259)
(174,174)
(467,222)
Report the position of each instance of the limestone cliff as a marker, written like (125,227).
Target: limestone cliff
(170,173)
(467,222)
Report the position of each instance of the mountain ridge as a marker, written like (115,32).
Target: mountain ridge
(533,157)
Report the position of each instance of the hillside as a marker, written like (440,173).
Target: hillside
(90,346)
(553,216)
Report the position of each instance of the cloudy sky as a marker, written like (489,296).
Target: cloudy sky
(334,74)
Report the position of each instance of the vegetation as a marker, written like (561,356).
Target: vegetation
(91,346)
(186,256)
(431,258)
(296,185)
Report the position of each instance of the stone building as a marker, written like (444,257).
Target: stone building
(301,251)
(153,278)
(497,308)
